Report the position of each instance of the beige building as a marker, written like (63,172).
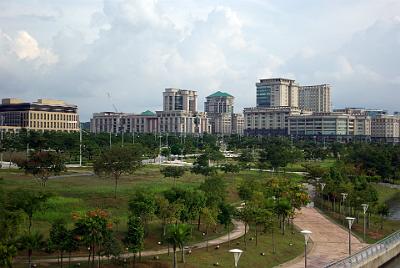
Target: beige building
(332,125)
(268,120)
(277,92)
(237,124)
(42,115)
(180,113)
(146,122)
(316,98)
(385,127)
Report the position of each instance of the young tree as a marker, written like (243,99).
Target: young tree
(118,161)
(177,236)
(134,238)
(210,220)
(57,238)
(201,166)
(29,202)
(225,216)
(383,211)
(230,168)
(42,165)
(31,242)
(143,205)
(214,189)
(7,253)
(173,171)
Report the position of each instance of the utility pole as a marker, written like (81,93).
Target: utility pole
(80,144)
(160,150)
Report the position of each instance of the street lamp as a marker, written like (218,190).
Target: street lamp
(236,255)
(322,184)
(344,196)
(350,221)
(365,208)
(307,235)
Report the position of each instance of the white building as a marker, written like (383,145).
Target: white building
(277,92)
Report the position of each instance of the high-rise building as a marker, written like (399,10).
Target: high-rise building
(220,111)
(316,98)
(180,113)
(386,128)
(277,92)
(42,115)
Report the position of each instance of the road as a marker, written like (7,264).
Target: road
(330,241)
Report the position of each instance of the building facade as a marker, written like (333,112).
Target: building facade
(42,115)
(385,128)
(110,122)
(277,92)
(268,121)
(180,113)
(316,98)
(330,125)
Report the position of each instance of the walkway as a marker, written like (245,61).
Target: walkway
(330,240)
(236,233)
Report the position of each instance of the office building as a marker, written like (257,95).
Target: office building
(385,128)
(180,113)
(268,121)
(316,98)
(277,92)
(111,122)
(42,115)
(333,126)
(219,107)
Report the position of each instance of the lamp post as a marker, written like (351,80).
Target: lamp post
(365,208)
(306,234)
(236,255)
(350,221)
(323,184)
(344,196)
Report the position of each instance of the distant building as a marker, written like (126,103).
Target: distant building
(180,113)
(42,115)
(268,121)
(277,92)
(333,126)
(316,98)
(385,128)
(219,107)
(110,122)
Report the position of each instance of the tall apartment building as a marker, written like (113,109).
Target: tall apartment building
(277,92)
(180,113)
(316,98)
(42,115)
(110,122)
(268,121)
(220,111)
(332,126)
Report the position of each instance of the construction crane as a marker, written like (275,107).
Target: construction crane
(120,126)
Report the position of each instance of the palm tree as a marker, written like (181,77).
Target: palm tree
(177,235)
(31,242)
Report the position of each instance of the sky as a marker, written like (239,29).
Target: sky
(96,53)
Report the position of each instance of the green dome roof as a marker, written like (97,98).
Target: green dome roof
(149,113)
(220,94)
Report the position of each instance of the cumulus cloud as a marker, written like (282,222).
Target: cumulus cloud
(136,48)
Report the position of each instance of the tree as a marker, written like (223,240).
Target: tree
(201,166)
(70,244)
(134,238)
(93,229)
(278,155)
(210,220)
(7,253)
(29,202)
(383,211)
(31,242)
(57,236)
(225,216)
(214,189)
(112,247)
(177,236)
(230,168)
(173,172)
(143,205)
(42,165)
(118,161)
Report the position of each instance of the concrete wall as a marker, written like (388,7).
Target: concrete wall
(382,258)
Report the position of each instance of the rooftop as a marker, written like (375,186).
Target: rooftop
(220,94)
(148,113)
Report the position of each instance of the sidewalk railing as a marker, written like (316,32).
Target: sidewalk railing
(368,253)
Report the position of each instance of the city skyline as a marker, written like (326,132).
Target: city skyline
(135,49)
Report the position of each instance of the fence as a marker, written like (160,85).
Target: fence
(368,253)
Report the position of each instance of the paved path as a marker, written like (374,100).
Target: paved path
(330,241)
(237,232)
